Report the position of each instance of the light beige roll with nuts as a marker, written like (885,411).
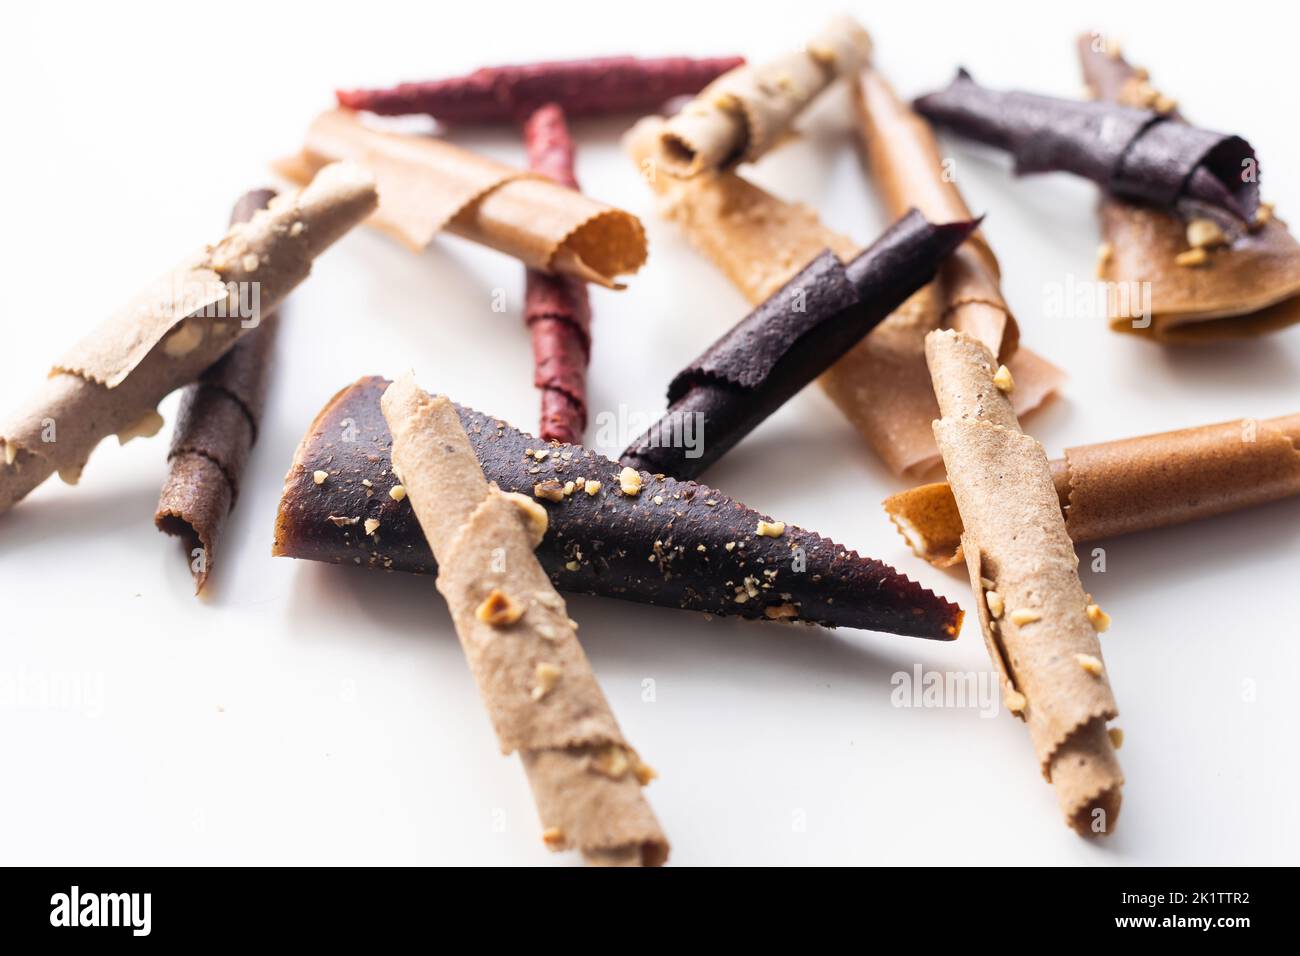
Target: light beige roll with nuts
(747,111)
(522,647)
(112,381)
(1039,625)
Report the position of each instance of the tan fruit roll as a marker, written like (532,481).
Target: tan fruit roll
(1038,624)
(1133,484)
(1203,282)
(427,185)
(112,381)
(521,644)
(749,110)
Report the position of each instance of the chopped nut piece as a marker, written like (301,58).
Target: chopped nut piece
(184,340)
(725,101)
(541,454)
(1192,257)
(1025,616)
(658,499)
(572,566)
(534,515)
(371,525)
(1205,234)
(1099,618)
(367,482)
(591,487)
(700,547)
(296,229)
(770,529)
(568,488)
(781,612)
(1105,253)
(1164,104)
(629,480)
(612,762)
(397,492)
(821,54)
(548,675)
(644,772)
(1089,663)
(730,545)
(1016,702)
(550,490)
(343,521)
(319,476)
(554,838)
(994,600)
(1264,214)
(499,609)
(11,452)
(1116,736)
(1003,380)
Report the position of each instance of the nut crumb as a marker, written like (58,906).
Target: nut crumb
(1192,257)
(700,547)
(1205,234)
(549,490)
(629,480)
(770,529)
(781,612)
(499,609)
(994,601)
(821,54)
(342,521)
(548,675)
(554,838)
(319,476)
(1105,253)
(1264,214)
(658,499)
(534,515)
(397,492)
(1164,105)
(1025,616)
(1016,702)
(1116,736)
(731,546)
(251,262)
(591,486)
(644,772)
(296,229)
(568,488)
(572,566)
(1003,380)
(611,762)
(367,482)
(371,525)
(1099,618)
(1089,663)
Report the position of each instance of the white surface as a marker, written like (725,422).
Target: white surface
(311,714)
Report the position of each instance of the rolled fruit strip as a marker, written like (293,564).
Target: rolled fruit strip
(601,86)
(521,645)
(216,427)
(672,543)
(1243,282)
(759,242)
(787,342)
(1133,484)
(749,110)
(556,308)
(427,185)
(112,381)
(1130,152)
(1037,622)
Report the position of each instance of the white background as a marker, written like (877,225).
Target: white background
(302,713)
